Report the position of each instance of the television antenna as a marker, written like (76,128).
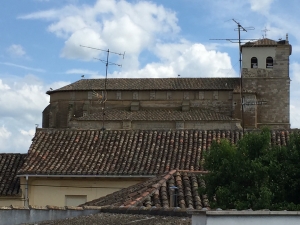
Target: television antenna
(240,41)
(102,98)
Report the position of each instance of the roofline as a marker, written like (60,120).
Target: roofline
(88,176)
(227,120)
(152,89)
(259,45)
(109,89)
(109,176)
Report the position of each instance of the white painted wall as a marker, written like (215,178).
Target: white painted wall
(261,53)
(53,190)
(246,218)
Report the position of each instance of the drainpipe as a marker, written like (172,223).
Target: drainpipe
(26,193)
(173,196)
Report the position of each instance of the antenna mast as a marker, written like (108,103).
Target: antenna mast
(103,97)
(240,41)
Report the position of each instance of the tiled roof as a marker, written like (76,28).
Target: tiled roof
(157,115)
(156,192)
(152,84)
(261,42)
(123,218)
(9,166)
(130,152)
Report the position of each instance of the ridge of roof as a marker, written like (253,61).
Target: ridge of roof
(157,115)
(262,42)
(204,83)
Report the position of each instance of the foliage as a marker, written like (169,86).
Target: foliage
(253,173)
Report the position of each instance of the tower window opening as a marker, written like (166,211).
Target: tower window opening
(254,63)
(269,62)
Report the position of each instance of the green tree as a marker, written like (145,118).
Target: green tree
(253,173)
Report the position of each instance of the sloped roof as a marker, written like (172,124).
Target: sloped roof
(131,152)
(261,42)
(9,166)
(156,192)
(157,115)
(152,84)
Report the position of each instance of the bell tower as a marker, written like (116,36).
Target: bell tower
(266,83)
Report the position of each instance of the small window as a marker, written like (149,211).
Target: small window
(269,62)
(75,200)
(254,63)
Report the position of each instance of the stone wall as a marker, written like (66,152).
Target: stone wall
(272,97)
(20,215)
(156,125)
(65,106)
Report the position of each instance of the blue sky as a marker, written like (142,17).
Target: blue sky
(40,47)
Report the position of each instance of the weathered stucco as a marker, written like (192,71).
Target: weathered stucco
(44,191)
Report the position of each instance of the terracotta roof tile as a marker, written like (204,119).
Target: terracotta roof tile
(156,192)
(9,166)
(261,42)
(157,115)
(152,84)
(117,152)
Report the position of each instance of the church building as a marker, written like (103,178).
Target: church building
(259,98)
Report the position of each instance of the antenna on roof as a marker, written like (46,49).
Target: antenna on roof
(240,41)
(103,97)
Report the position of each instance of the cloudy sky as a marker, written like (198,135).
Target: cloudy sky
(40,47)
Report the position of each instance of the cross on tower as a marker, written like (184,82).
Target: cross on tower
(265,31)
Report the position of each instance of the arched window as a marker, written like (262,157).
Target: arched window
(269,62)
(254,63)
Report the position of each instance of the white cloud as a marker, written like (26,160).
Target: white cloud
(81,71)
(22,102)
(85,37)
(3,86)
(118,25)
(48,15)
(23,67)
(4,134)
(295,71)
(184,59)
(261,6)
(133,27)
(295,114)
(16,50)
(295,93)
(30,132)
